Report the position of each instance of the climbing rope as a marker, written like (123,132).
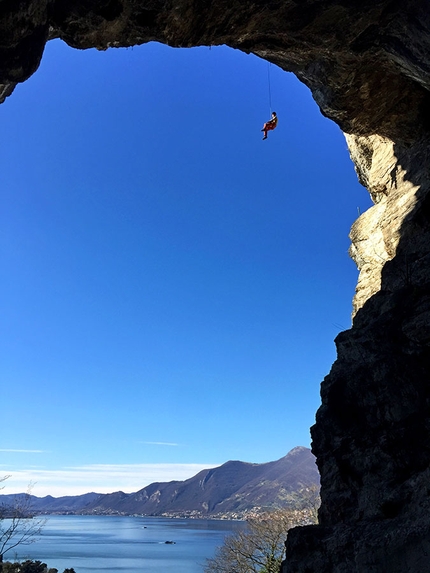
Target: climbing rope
(270,90)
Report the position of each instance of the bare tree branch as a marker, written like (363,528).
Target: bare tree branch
(18,526)
(261,547)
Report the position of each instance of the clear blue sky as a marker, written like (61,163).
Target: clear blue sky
(171,284)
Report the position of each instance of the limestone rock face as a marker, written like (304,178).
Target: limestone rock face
(367,64)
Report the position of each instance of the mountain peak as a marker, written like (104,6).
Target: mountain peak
(231,490)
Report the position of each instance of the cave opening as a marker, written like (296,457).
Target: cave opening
(92,261)
(156,245)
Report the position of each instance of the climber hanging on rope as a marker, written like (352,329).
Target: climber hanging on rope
(271,124)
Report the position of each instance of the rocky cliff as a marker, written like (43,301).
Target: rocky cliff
(367,64)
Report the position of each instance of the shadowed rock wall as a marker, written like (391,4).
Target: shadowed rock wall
(367,64)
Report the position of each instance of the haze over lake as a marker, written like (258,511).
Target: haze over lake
(95,544)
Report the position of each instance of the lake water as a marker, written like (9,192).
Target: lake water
(95,544)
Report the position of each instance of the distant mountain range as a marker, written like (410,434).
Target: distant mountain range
(231,490)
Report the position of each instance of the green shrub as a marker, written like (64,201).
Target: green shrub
(30,566)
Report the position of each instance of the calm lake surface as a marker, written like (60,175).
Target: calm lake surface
(94,544)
